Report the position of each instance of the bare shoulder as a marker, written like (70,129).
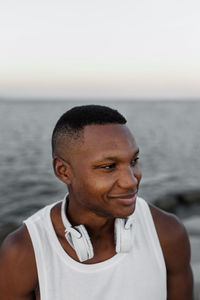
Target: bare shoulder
(18,273)
(173,238)
(16,245)
(176,250)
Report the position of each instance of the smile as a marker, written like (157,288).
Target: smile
(128,199)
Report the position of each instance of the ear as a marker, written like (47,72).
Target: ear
(62,170)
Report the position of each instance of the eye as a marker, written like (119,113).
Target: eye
(108,166)
(134,161)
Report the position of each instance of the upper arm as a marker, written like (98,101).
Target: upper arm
(177,257)
(18,274)
(176,250)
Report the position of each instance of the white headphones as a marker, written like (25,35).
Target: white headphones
(79,239)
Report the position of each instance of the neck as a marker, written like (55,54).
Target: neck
(99,231)
(97,226)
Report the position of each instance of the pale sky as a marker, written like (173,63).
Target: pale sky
(100,49)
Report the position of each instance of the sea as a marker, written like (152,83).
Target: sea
(167,132)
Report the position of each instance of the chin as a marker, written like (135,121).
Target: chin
(125,212)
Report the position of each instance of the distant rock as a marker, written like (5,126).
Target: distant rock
(192,225)
(167,203)
(177,203)
(6,229)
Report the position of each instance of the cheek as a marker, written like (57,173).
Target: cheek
(91,182)
(100,183)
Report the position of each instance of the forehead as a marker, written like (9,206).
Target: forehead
(106,140)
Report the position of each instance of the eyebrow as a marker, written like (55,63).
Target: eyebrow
(116,158)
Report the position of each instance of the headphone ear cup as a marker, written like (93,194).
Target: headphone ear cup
(82,245)
(77,236)
(87,242)
(123,236)
(118,225)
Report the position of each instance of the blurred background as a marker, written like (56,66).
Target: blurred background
(141,58)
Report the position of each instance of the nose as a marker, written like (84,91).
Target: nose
(129,178)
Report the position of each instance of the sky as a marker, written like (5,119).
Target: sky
(100,49)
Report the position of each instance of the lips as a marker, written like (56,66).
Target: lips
(128,196)
(126,199)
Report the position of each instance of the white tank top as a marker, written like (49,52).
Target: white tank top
(137,275)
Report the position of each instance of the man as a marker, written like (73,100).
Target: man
(102,241)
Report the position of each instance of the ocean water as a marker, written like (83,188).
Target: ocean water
(168,134)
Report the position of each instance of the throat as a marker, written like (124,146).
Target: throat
(100,232)
(103,242)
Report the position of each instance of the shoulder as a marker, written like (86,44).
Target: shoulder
(173,239)
(17,262)
(17,241)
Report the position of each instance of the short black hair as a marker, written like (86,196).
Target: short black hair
(73,121)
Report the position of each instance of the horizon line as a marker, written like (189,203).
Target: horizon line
(95,99)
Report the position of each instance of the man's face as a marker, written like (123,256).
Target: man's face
(105,172)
